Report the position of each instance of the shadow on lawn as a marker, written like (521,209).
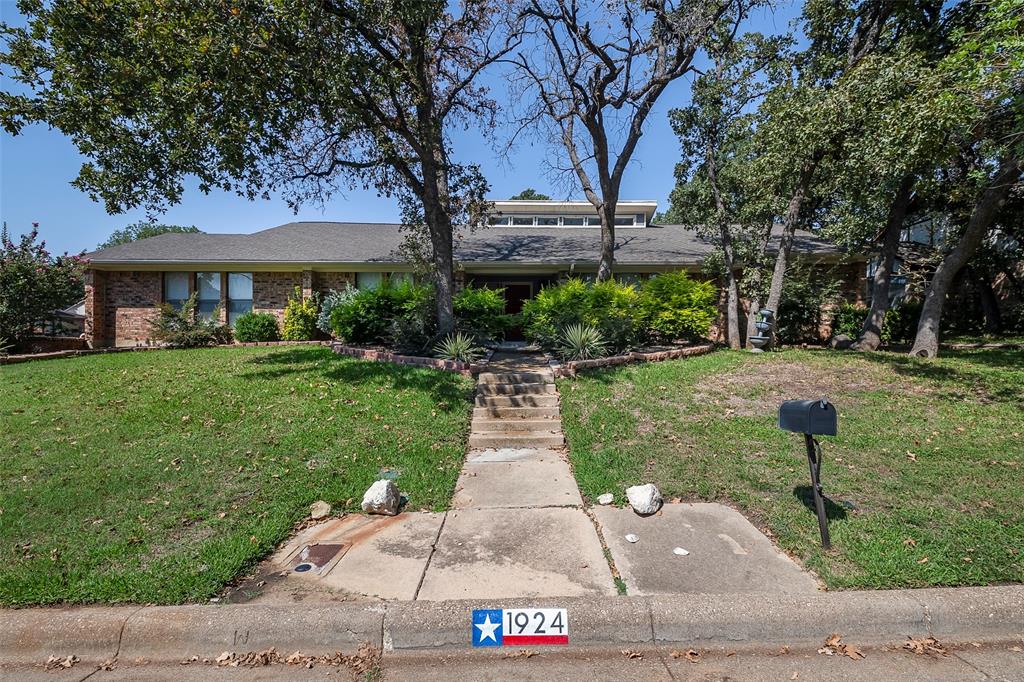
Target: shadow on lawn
(970,370)
(444,387)
(833,511)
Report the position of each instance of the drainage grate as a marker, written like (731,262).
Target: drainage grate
(317,556)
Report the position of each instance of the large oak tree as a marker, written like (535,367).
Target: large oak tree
(299,97)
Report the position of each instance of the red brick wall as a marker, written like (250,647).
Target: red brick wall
(95,303)
(325,281)
(130,305)
(270,291)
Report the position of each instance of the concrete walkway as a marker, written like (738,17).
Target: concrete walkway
(517,527)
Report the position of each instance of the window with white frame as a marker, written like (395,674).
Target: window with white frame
(632,220)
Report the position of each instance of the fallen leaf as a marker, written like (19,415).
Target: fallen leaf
(910,542)
(924,646)
(522,653)
(834,645)
(923,560)
(629,653)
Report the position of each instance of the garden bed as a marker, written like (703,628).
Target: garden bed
(384,355)
(659,354)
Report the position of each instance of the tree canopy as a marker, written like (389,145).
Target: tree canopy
(142,230)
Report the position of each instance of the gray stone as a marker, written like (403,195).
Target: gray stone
(607,498)
(319,510)
(645,499)
(382,498)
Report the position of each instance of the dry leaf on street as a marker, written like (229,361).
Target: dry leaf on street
(834,645)
(522,653)
(924,646)
(629,653)
(691,655)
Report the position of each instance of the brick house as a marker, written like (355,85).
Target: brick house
(527,245)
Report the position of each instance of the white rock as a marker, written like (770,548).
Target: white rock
(607,498)
(680,551)
(645,499)
(319,510)
(631,537)
(382,498)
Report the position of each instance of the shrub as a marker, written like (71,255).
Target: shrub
(849,320)
(806,291)
(414,325)
(673,306)
(401,314)
(609,306)
(458,346)
(300,317)
(480,312)
(331,301)
(901,322)
(33,283)
(581,342)
(256,327)
(553,309)
(184,329)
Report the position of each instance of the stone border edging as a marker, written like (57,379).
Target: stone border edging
(570,368)
(373,355)
(174,633)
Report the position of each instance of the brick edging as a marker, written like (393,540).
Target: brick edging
(569,369)
(373,355)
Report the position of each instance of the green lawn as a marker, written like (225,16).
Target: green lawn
(926,476)
(160,476)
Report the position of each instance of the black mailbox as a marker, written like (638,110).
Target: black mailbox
(812,418)
(816,417)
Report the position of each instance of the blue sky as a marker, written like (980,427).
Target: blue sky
(37,166)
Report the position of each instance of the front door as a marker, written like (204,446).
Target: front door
(516,293)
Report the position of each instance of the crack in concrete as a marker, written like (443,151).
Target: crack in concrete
(430,557)
(971,665)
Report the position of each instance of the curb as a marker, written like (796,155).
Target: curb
(174,633)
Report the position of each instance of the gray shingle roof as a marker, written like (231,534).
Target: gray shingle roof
(328,242)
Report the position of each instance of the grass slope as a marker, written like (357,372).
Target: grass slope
(926,475)
(160,476)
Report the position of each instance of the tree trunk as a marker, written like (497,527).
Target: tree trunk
(926,344)
(444,276)
(989,303)
(792,219)
(871,333)
(754,286)
(607,259)
(732,298)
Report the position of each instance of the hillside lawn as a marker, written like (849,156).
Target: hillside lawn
(158,477)
(926,476)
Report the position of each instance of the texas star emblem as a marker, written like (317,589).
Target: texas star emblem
(487,627)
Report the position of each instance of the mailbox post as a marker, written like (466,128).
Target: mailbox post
(811,418)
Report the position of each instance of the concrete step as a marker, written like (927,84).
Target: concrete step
(516,440)
(515,389)
(542,400)
(517,425)
(516,378)
(515,412)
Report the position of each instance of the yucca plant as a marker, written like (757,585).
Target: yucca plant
(582,342)
(458,346)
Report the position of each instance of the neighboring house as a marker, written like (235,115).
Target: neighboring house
(68,321)
(528,244)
